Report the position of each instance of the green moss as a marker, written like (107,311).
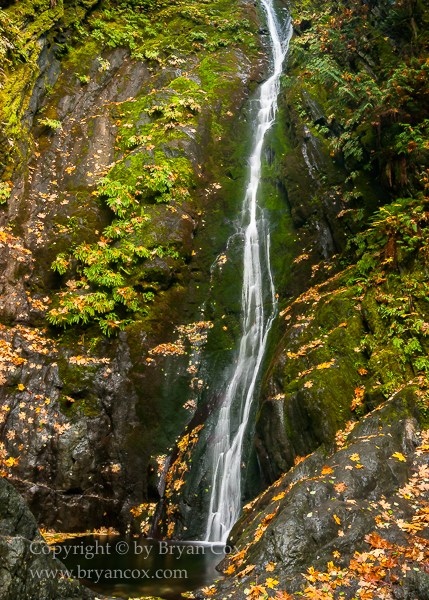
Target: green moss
(183,84)
(77,380)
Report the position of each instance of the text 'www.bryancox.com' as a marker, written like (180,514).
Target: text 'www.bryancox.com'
(96,575)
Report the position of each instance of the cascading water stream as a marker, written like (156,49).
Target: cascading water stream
(226,451)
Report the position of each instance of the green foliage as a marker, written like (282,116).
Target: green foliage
(104,64)
(365,68)
(398,231)
(413,139)
(4,192)
(84,79)
(103,273)
(104,266)
(11,47)
(151,54)
(144,27)
(110,324)
(79,307)
(117,196)
(176,110)
(51,123)
(375,93)
(60,264)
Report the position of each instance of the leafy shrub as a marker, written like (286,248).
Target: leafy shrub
(4,192)
(104,64)
(84,79)
(51,123)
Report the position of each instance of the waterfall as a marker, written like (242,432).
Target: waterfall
(225,454)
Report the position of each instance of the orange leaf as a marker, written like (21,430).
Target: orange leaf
(279,497)
(340,487)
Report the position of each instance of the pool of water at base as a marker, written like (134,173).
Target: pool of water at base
(129,567)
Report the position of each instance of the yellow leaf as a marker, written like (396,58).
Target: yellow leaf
(279,497)
(399,456)
(354,457)
(337,520)
(21,387)
(325,365)
(326,470)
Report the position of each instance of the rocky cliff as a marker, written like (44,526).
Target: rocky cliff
(28,569)
(125,132)
(121,159)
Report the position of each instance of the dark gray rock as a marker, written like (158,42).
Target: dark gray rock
(313,523)
(28,570)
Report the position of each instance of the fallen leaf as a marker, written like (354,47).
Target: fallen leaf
(245,571)
(279,497)
(283,596)
(340,487)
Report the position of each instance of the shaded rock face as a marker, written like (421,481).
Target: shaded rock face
(361,499)
(69,479)
(309,387)
(83,415)
(23,552)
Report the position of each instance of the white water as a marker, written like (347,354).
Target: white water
(226,453)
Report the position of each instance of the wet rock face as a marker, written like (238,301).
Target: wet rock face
(73,471)
(329,508)
(308,391)
(82,415)
(23,552)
